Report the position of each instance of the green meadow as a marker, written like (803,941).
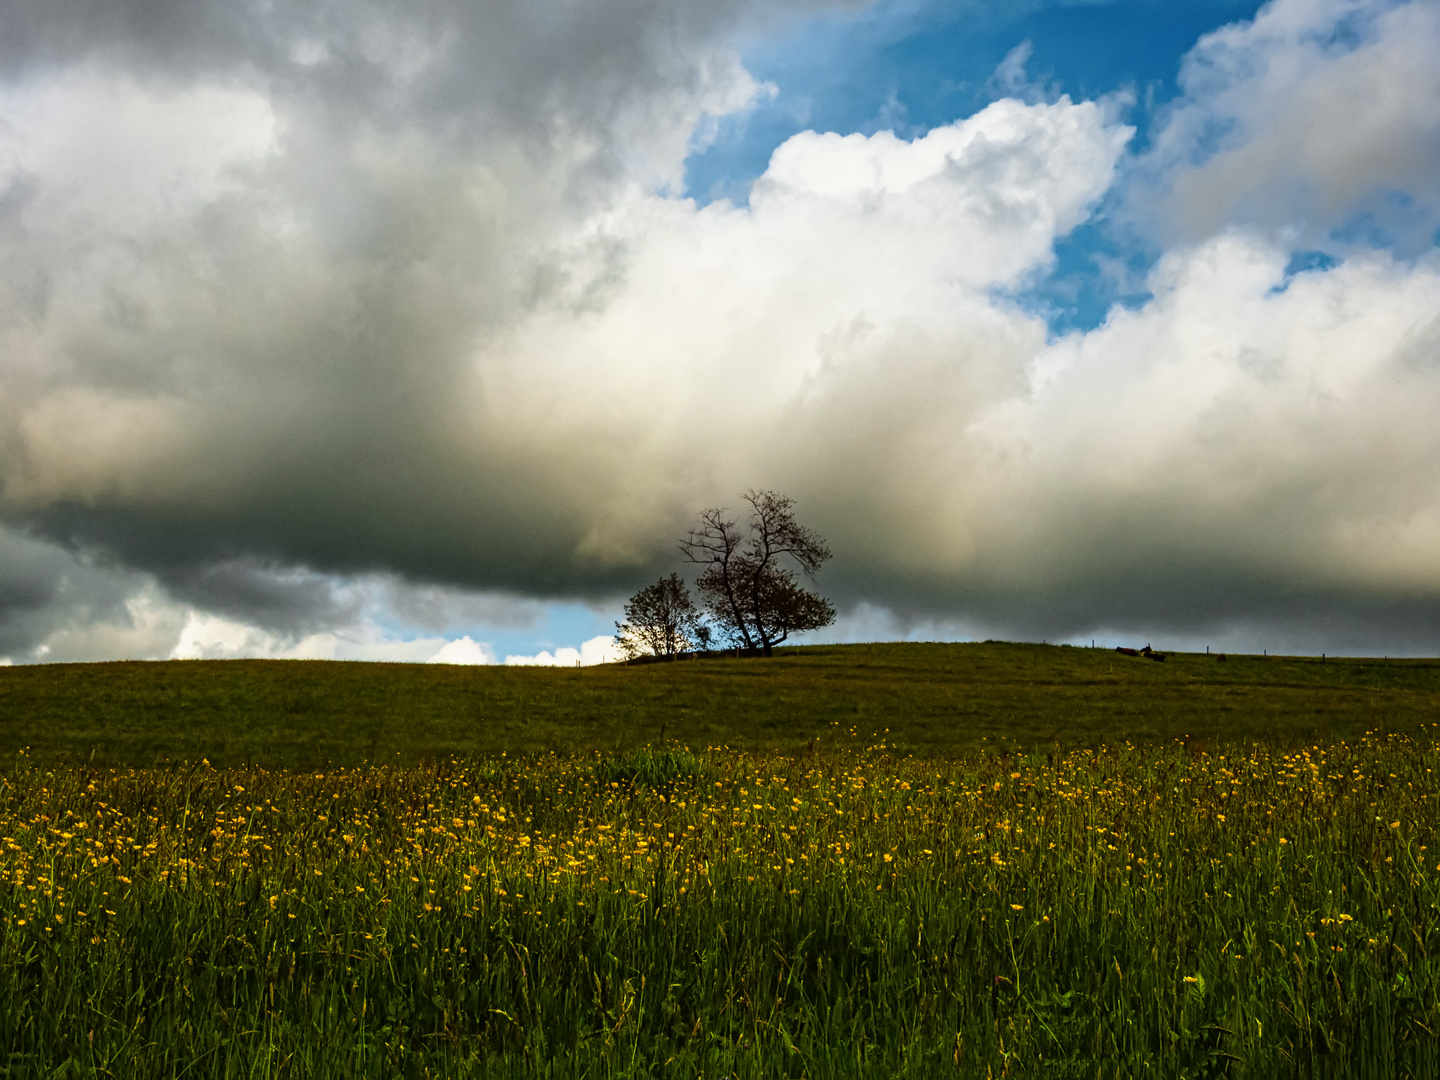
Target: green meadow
(901,860)
(935,700)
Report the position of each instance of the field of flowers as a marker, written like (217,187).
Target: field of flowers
(1168,911)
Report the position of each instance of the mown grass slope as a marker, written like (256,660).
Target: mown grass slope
(933,699)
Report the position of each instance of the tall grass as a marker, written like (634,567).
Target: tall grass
(1130,911)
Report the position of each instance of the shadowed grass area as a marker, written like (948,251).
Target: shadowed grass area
(932,699)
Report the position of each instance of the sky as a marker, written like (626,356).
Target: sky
(423,332)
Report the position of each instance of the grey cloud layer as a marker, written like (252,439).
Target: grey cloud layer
(291,291)
(252,251)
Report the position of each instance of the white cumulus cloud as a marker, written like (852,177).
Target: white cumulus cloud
(464,651)
(1312,113)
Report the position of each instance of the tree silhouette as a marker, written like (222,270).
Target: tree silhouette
(749,585)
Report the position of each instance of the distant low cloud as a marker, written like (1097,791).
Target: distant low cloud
(339,334)
(464,651)
(61,607)
(597,650)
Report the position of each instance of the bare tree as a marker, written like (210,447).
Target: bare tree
(660,619)
(749,584)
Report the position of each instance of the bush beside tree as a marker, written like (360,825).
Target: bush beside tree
(660,620)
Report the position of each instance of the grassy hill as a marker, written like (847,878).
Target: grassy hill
(933,699)
(1256,910)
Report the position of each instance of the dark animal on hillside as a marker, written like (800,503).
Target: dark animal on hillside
(1126,652)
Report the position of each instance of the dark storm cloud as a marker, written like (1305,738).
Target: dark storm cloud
(45,591)
(288,601)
